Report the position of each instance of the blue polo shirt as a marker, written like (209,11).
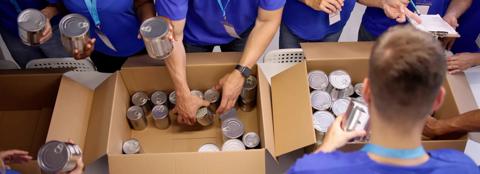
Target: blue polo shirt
(9,14)
(204,17)
(469,30)
(440,162)
(118,21)
(376,22)
(310,24)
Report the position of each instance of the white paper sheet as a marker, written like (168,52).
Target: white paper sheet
(432,23)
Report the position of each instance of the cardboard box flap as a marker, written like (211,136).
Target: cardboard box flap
(271,69)
(251,162)
(292,113)
(266,112)
(334,50)
(462,93)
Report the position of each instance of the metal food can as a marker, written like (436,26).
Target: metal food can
(251,140)
(141,99)
(249,90)
(155,32)
(204,116)
(232,128)
(159,98)
(246,107)
(172,98)
(322,120)
(197,93)
(74,31)
(131,146)
(320,100)
(56,156)
(340,106)
(160,116)
(357,116)
(31,24)
(136,117)
(318,80)
(339,79)
(349,91)
(319,137)
(209,148)
(212,96)
(358,88)
(233,145)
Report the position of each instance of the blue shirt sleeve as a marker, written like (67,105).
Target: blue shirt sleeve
(173,9)
(52,1)
(272,4)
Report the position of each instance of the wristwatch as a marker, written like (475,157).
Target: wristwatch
(245,71)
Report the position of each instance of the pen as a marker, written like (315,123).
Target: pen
(415,7)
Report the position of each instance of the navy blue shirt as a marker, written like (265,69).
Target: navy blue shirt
(469,30)
(310,24)
(440,162)
(376,22)
(118,21)
(204,17)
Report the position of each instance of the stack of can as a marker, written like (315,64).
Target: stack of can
(143,104)
(248,95)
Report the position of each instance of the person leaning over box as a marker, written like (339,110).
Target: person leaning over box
(234,25)
(119,20)
(404,84)
(51,48)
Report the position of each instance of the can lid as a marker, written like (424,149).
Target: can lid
(318,80)
(209,148)
(53,156)
(232,128)
(322,120)
(250,83)
(340,106)
(131,146)
(320,100)
(159,98)
(172,97)
(140,98)
(31,20)
(154,27)
(233,145)
(212,95)
(135,112)
(202,112)
(251,139)
(159,112)
(349,91)
(197,93)
(358,88)
(73,25)
(340,79)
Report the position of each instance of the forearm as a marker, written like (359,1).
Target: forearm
(145,9)
(176,65)
(467,122)
(371,3)
(458,7)
(50,11)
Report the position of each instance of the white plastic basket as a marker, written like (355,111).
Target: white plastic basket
(52,63)
(284,56)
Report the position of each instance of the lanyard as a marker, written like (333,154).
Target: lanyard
(394,153)
(17,6)
(224,12)
(92,9)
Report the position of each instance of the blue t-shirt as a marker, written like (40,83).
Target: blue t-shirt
(204,17)
(440,162)
(118,21)
(11,172)
(469,30)
(9,14)
(376,22)
(310,24)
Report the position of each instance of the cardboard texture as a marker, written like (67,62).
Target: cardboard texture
(336,50)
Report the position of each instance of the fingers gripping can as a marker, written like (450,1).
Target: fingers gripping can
(197,93)
(136,117)
(74,30)
(31,25)
(155,32)
(204,116)
(160,116)
(56,156)
(131,146)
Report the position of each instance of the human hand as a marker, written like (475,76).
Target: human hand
(14,156)
(187,106)
(337,137)
(231,85)
(327,6)
(462,61)
(449,41)
(47,33)
(397,9)
(87,50)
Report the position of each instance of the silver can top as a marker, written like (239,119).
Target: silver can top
(358,89)
(250,83)
(320,100)
(135,113)
(74,25)
(251,139)
(154,27)
(317,80)
(212,95)
(131,146)
(233,145)
(140,98)
(232,128)
(209,148)
(54,156)
(322,120)
(340,106)
(349,91)
(159,112)
(339,79)
(197,93)
(202,112)
(31,20)
(172,97)
(159,98)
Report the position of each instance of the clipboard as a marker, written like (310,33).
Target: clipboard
(435,25)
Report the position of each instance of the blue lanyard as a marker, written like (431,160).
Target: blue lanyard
(224,13)
(394,153)
(92,9)
(17,6)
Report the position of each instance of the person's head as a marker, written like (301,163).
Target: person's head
(406,73)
